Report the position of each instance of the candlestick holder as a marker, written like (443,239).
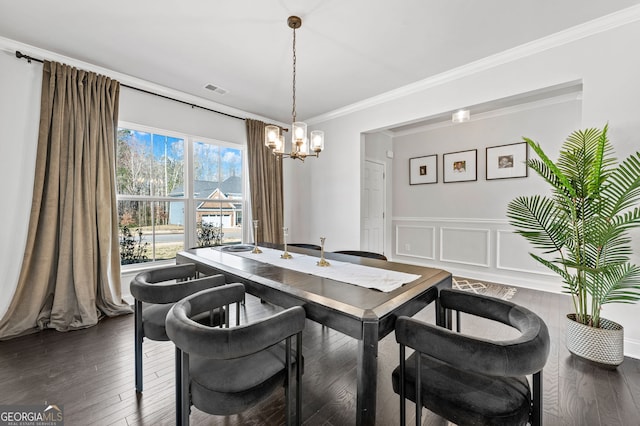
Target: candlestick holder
(322,261)
(255,250)
(285,233)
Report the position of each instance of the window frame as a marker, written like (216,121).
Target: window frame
(188,199)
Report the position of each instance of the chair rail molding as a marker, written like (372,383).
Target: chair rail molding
(449,219)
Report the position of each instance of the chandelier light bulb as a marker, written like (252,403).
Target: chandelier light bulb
(299,131)
(317,140)
(279,145)
(304,147)
(272,134)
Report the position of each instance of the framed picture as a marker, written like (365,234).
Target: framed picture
(460,166)
(507,161)
(423,170)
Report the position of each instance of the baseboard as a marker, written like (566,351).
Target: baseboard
(632,348)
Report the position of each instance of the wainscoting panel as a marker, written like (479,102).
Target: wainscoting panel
(416,241)
(485,249)
(513,254)
(468,246)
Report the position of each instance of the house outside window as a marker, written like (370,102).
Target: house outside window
(175,191)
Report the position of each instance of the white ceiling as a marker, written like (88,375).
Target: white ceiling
(348,50)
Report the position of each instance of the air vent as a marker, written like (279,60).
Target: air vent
(216,89)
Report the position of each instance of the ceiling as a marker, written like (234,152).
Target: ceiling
(347,51)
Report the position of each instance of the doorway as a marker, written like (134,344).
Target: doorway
(373,215)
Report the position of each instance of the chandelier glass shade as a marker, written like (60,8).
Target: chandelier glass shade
(302,144)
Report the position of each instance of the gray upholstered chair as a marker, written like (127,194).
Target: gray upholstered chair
(155,291)
(360,253)
(305,245)
(227,370)
(469,380)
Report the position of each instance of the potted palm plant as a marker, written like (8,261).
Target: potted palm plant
(582,231)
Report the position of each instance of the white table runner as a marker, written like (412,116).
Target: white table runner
(364,276)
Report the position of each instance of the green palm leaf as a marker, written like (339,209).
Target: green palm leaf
(539,221)
(586,220)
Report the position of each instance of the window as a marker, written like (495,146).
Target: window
(217,193)
(158,213)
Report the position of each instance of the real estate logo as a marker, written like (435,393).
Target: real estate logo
(31,415)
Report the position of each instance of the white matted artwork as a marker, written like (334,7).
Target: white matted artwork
(507,161)
(423,170)
(461,166)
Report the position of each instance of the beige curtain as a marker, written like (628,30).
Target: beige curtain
(70,273)
(265,183)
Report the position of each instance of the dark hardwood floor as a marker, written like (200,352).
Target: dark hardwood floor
(90,373)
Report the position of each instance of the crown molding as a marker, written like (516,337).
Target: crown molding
(595,26)
(10,46)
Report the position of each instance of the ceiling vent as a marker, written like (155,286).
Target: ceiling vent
(216,89)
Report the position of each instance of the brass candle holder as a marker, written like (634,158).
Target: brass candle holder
(322,261)
(285,233)
(255,250)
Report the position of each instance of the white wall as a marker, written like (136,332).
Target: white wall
(462,226)
(20,86)
(604,61)
(149,110)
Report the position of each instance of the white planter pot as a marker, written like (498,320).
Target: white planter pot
(603,346)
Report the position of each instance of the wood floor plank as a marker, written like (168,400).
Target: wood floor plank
(90,372)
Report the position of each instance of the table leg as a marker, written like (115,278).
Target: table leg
(367,374)
(444,317)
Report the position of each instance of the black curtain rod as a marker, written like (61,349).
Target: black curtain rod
(21,55)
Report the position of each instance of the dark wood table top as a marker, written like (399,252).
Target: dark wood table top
(356,301)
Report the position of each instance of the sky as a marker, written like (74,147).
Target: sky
(231,158)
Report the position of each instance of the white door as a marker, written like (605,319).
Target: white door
(373,207)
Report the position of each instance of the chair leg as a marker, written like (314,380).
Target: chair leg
(179,395)
(183,396)
(299,378)
(403,408)
(287,385)
(138,335)
(536,410)
(418,389)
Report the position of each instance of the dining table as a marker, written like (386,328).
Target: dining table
(358,296)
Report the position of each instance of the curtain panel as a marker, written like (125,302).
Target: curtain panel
(265,184)
(70,273)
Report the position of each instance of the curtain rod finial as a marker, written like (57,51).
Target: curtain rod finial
(21,55)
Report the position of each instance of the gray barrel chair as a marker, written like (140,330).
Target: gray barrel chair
(469,380)
(225,370)
(360,253)
(155,291)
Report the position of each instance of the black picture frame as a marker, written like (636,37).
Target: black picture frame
(423,170)
(507,161)
(460,166)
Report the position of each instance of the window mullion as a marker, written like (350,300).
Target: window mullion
(189,204)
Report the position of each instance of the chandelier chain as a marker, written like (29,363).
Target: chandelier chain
(293,111)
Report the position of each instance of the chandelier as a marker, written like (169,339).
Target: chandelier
(301,145)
